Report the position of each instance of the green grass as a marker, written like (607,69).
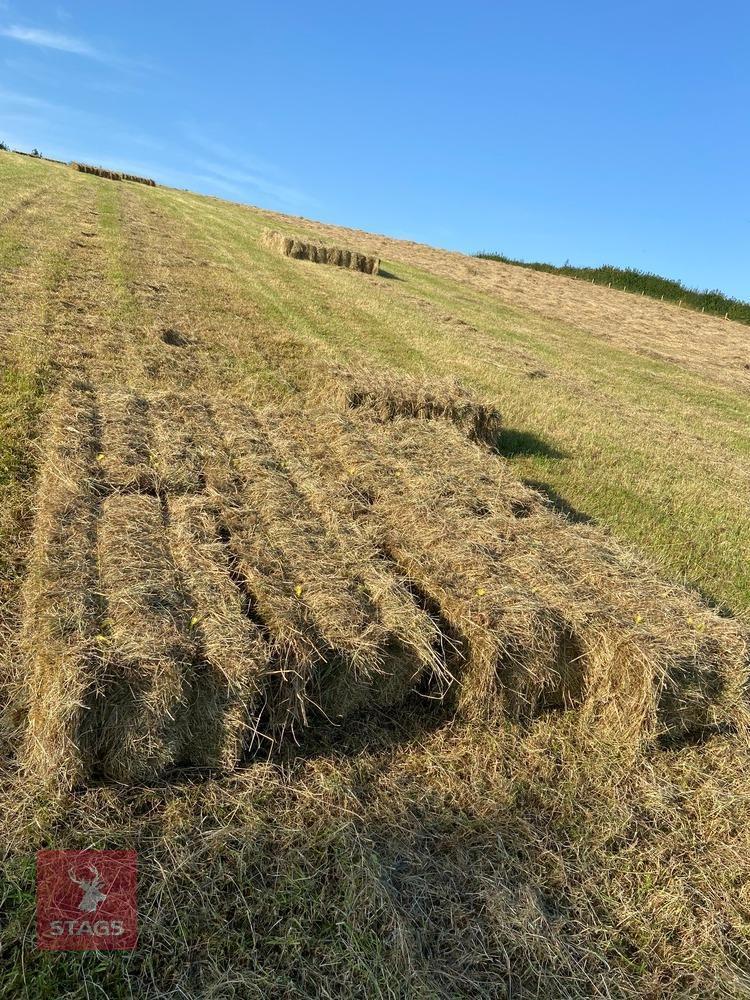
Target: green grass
(630,279)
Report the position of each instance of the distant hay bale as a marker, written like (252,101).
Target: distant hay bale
(111,175)
(86,168)
(61,604)
(289,246)
(138,180)
(386,396)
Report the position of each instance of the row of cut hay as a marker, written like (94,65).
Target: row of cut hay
(62,610)
(386,396)
(299,575)
(111,175)
(289,246)
(551,614)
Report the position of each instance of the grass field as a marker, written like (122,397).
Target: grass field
(630,279)
(409,854)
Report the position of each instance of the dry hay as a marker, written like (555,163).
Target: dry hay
(711,346)
(227,698)
(550,614)
(302,579)
(207,579)
(148,640)
(385,396)
(62,610)
(111,175)
(289,246)
(138,180)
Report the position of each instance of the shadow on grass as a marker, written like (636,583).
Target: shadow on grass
(382,273)
(512,443)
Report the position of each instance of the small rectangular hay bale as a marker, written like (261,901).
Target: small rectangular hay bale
(386,396)
(152,650)
(225,713)
(61,606)
(320,254)
(184,439)
(126,444)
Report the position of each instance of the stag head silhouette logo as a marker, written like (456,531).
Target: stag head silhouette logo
(86,900)
(92,892)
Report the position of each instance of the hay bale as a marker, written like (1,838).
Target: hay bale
(295,569)
(319,254)
(150,642)
(204,577)
(413,649)
(111,175)
(97,171)
(62,608)
(126,441)
(658,659)
(138,180)
(549,613)
(384,396)
(224,715)
(185,438)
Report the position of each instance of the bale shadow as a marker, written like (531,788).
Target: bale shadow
(382,273)
(512,443)
(559,502)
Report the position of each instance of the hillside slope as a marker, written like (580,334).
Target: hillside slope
(409,854)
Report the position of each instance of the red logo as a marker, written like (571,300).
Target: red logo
(86,899)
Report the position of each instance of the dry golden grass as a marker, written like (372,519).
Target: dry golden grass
(706,344)
(539,790)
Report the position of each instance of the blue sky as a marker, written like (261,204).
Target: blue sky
(583,131)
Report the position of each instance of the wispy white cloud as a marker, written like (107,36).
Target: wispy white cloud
(51,40)
(13,98)
(282,192)
(240,173)
(220,151)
